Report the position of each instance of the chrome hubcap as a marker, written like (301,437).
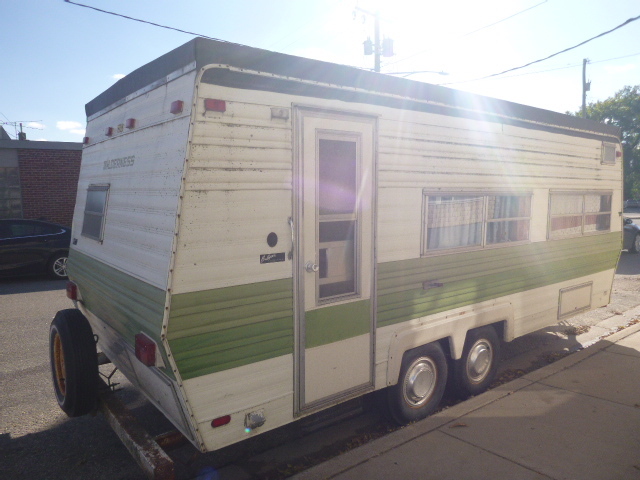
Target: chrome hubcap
(479,361)
(420,381)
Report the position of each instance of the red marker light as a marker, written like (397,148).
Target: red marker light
(130,123)
(212,105)
(145,350)
(176,107)
(109,131)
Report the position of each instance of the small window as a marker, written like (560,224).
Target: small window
(608,153)
(475,221)
(94,211)
(576,214)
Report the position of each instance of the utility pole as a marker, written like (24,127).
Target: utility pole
(376,39)
(376,48)
(586,86)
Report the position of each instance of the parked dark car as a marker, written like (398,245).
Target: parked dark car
(631,240)
(33,247)
(631,203)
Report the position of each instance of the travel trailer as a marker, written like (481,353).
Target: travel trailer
(259,236)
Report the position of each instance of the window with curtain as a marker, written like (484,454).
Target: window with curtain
(575,214)
(474,221)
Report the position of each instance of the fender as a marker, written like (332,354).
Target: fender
(453,326)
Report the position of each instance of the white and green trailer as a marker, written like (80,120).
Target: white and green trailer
(259,236)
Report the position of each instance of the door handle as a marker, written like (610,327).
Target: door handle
(311,267)
(293,236)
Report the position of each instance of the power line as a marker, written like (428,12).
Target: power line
(591,62)
(145,21)
(630,20)
(469,33)
(20,122)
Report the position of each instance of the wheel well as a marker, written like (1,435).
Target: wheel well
(499,327)
(445,343)
(58,252)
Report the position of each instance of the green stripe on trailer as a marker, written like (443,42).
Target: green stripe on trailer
(414,288)
(338,322)
(215,330)
(139,306)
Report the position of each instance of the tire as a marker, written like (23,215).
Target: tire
(74,363)
(57,266)
(421,384)
(635,246)
(477,368)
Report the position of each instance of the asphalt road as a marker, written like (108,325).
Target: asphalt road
(38,441)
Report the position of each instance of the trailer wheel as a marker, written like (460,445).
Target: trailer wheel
(74,362)
(475,371)
(421,385)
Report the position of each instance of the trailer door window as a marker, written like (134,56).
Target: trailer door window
(337,217)
(575,214)
(94,211)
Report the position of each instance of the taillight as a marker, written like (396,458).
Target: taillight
(220,421)
(72,291)
(145,350)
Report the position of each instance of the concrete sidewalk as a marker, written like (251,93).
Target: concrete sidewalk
(578,418)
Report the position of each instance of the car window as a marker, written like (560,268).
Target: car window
(47,230)
(27,229)
(22,229)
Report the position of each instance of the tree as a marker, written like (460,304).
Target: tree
(623,110)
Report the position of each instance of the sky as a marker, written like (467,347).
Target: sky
(56,56)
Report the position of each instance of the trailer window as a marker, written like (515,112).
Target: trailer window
(608,153)
(94,211)
(475,221)
(575,214)
(508,219)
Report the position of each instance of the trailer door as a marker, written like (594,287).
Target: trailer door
(334,267)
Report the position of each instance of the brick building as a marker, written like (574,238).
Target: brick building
(38,180)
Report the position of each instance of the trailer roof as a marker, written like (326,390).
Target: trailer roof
(201,52)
